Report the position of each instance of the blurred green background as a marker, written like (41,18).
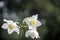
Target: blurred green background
(48,13)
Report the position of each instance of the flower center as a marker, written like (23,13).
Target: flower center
(11,26)
(32,22)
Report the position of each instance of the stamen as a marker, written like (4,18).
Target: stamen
(32,22)
(11,26)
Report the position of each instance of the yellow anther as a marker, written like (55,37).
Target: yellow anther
(32,22)
(11,26)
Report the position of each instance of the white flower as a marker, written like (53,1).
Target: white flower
(32,22)
(10,26)
(32,34)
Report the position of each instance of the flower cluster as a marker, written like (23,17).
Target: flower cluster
(31,22)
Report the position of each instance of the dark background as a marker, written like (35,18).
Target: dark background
(48,13)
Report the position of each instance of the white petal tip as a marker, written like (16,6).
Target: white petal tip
(9,33)
(5,20)
(18,32)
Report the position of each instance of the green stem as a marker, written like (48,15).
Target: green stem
(21,34)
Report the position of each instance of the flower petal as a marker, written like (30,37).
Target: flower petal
(32,27)
(5,20)
(32,34)
(8,21)
(27,34)
(15,25)
(5,26)
(26,20)
(38,23)
(37,34)
(16,30)
(35,16)
(10,31)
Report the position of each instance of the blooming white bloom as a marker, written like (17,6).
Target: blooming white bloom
(32,34)
(10,26)
(32,22)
